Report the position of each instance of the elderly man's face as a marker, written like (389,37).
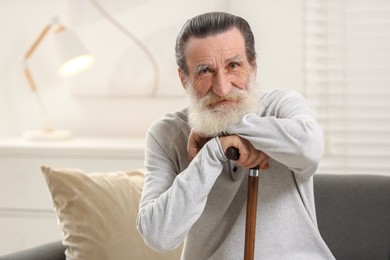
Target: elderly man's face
(218,63)
(219,82)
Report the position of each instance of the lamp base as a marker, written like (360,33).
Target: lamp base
(47,135)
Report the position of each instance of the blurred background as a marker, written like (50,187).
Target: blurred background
(78,103)
(336,53)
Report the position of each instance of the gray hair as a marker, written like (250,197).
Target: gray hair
(209,24)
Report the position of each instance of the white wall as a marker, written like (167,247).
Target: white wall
(278,29)
(276,24)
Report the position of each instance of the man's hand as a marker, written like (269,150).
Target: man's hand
(194,144)
(249,156)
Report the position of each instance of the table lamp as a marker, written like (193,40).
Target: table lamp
(73,59)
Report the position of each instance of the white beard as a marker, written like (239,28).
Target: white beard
(210,122)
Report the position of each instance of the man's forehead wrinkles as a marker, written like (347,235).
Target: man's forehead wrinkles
(209,61)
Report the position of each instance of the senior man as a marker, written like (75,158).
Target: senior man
(193,193)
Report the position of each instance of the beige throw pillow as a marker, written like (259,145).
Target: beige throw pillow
(97,214)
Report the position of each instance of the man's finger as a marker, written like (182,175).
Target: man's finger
(264,165)
(192,148)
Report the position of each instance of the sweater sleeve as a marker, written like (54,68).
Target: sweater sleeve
(171,203)
(286,132)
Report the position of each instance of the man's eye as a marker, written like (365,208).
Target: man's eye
(234,65)
(204,70)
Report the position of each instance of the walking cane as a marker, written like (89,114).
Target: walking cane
(232,153)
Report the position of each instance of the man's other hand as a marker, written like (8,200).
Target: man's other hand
(249,156)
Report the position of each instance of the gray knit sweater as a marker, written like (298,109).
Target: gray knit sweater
(203,202)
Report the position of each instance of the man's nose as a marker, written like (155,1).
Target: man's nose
(222,84)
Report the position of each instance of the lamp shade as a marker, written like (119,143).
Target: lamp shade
(71,52)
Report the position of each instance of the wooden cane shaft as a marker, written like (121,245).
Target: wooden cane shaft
(251,209)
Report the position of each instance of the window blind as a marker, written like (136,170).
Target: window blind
(347,82)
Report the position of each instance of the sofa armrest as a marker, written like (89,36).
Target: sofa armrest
(50,251)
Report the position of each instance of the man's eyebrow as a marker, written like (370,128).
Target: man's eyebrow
(235,58)
(201,66)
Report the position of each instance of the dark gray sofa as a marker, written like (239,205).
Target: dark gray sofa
(353,214)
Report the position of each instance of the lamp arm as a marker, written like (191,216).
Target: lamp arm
(33,88)
(29,78)
(37,41)
(28,54)
(28,75)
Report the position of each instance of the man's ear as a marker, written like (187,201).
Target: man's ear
(254,68)
(183,78)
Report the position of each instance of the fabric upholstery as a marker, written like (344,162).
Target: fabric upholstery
(353,213)
(50,251)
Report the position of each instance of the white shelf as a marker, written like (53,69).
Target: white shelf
(77,147)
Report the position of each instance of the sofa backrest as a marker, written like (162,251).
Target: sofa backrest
(353,213)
